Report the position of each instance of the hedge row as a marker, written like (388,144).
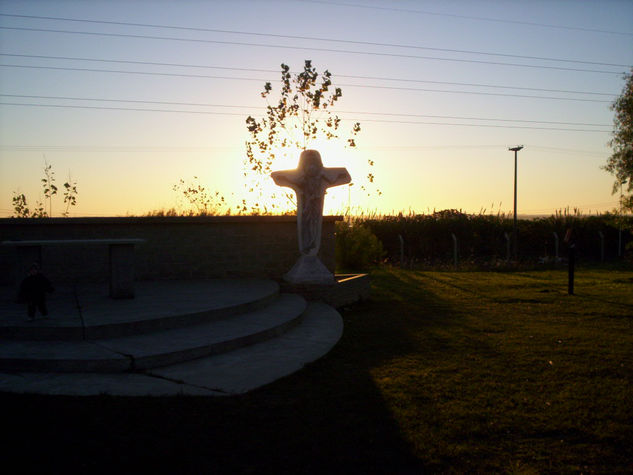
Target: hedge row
(427,239)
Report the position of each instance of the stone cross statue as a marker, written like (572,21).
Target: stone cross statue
(309,181)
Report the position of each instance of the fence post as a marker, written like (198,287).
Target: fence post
(507,236)
(571,258)
(601,246)
(454,249)
(570,269)
(555,247)
(401,250)
(620,240)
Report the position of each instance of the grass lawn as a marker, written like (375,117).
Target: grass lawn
(440,372)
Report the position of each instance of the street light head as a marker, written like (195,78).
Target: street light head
(516,149)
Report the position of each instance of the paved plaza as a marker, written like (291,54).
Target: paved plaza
(211,337)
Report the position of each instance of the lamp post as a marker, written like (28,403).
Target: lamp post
(514,227)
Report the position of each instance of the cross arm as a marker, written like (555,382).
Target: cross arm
(288,178)
(336,176)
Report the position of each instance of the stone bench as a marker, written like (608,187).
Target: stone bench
(121,253)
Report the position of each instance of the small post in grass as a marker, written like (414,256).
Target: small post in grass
(455,261)
(571,257)
(601,234)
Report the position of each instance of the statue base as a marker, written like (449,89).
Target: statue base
(346,290)
(309,270)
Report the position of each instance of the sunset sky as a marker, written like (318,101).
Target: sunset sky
(131,96)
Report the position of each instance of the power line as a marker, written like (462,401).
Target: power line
(487,147)
(152,63)
(113,148)
(199,104)
(495,86)
(379,78)
(474,92)
(563,150)
(121,71)
(486,125)
(468,17)
(238,114)
(171,149)
(306,48)
(312,38)
(476,118)
(67,106)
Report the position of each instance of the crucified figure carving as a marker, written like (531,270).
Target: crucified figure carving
(310,181)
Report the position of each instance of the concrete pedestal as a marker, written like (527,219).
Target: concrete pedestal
(346,290)
(309,270)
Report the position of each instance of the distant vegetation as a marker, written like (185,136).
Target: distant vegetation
(198,199)
(425,240)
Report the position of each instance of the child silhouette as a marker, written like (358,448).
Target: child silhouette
(33,291)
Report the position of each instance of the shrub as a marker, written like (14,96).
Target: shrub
(357,248)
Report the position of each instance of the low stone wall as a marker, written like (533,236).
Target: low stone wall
(175,248)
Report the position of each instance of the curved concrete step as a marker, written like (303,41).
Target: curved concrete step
(150,350)
(234,372)
(248,368)
(91,314)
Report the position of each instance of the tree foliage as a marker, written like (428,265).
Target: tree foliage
(300,113)
(620,163)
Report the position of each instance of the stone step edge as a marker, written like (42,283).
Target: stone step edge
(121,362)
(115,330)
(178,380)
(130,328)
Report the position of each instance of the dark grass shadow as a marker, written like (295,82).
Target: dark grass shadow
(607,301)
(328,418)
(335,416)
